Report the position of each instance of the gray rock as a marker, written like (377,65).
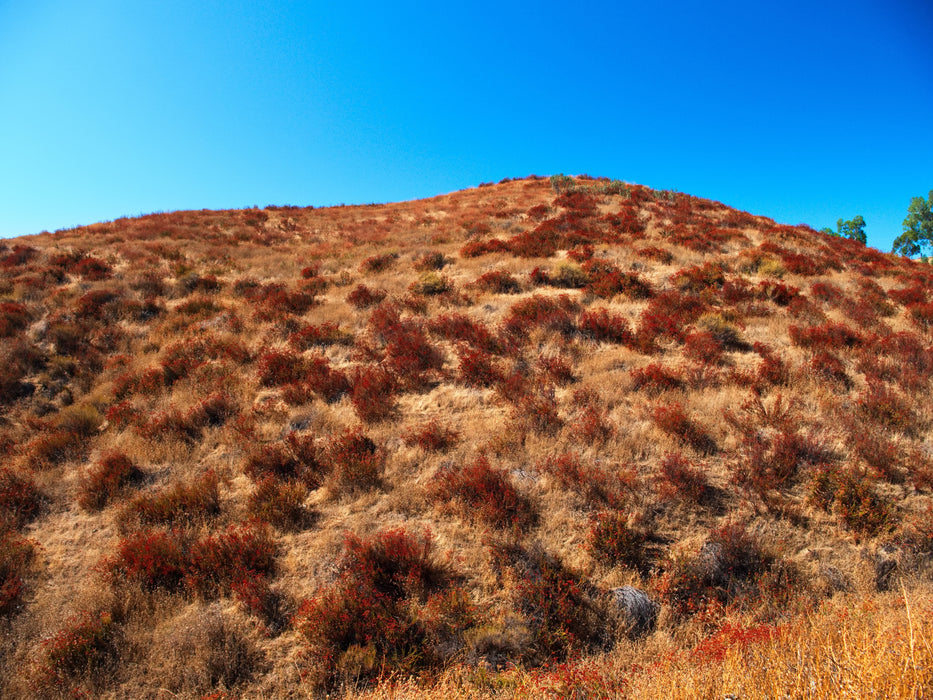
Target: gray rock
(637,610)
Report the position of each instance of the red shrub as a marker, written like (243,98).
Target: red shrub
(224,561)
(379,263)
(542,242)
(16,555)
(827,367)
(538,412)
(86,644)
(602,325)
(596,485)
(373,393)
(432,436)
(885,407)
(606,280)
(673,421)
(324,335)
(556,369)
(859,507)
(353,462)
(192,501)
(278,367)
(279,503)
(362,297)
(476,368)
(613,541)
(485,493)
(591,426)
(666,316)
(704,348)
(551,313)
(655,378)
(498,282)
(662,255)
(14,317)
(20,500)
(828,336)
(457,327)
(114,472)
(213,565)
(679,478)
(730,638)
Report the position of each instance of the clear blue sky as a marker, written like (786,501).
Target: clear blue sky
(802,111)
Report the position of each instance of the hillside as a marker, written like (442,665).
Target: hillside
(418,449)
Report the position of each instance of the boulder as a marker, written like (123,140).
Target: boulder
(638,612)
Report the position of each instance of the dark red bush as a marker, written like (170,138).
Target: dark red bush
(612,541)
(678,478)
(278,367)
(379,263)
(362,297)
(655,378)
(551,313)
(16,556)
(14,317)
(113,472)
(598,486)
(482,492)
(674,421)
(193,501)
(279,503)
(373,393)
(20,499)
(353,462)
(602,325)
(432,436)
(498,282)
(323,335)
(457,327)
(86,644)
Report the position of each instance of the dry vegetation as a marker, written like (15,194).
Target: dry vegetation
(425,449)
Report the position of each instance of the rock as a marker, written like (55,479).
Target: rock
(637,610)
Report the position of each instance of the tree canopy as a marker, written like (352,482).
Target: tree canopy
(917,238)
(853,228)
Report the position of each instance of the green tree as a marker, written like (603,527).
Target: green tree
(917,238)
(853,228)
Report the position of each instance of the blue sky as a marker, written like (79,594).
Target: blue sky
(802,111)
